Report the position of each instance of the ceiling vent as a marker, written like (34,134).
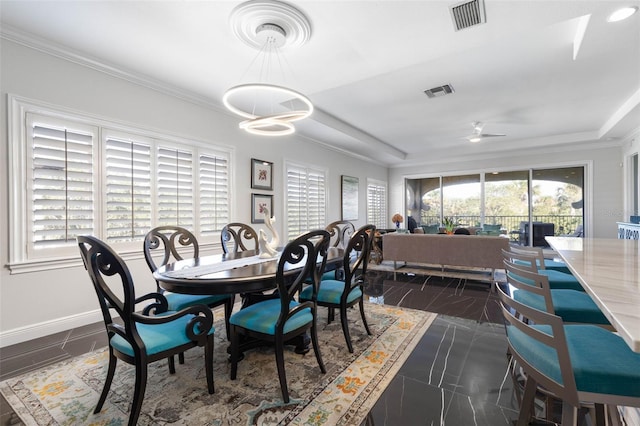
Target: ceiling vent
(439,91)
(468,14)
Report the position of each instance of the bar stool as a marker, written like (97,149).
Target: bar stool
(541,262)
(579,364)
(557,279)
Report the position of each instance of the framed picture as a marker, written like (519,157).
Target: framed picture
(258,204)
(261,174)
(349,198)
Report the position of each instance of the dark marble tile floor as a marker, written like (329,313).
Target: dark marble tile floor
(457,375)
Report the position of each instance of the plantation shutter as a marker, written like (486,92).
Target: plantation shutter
(306,201)
(214,193)
(377,204)
(175,187)
(128,190)
(62,199)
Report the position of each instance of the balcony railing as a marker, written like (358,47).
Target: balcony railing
(563,224)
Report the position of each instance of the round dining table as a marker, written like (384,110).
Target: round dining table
(241,273)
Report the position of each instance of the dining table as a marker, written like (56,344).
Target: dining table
(244,273)
(608,270)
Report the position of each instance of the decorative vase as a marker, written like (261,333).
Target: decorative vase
(397,225)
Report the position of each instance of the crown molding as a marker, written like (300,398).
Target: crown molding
(48,47)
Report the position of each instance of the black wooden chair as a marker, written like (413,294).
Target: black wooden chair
(243,237)
(280,319)
(343,294)
(166,244)
(340,232)
(141,338)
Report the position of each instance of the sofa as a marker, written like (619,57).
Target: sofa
(460,251)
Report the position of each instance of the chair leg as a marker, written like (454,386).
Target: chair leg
(526,407)
(279,347)
(316,347)
(228,309)
(138,392)
(181,358)
(208,362)
(364,319)
(568,414)
(345,327)
(172,365)
(111,369)
(235,352)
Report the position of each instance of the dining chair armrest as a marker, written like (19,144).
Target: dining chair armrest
(160,306)
(197,328)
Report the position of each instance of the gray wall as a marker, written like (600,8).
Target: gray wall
(39,303)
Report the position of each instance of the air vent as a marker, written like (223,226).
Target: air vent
(468,14)
(439,91)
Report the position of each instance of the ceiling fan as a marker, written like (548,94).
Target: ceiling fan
(477,135)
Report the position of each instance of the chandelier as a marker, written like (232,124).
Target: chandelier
(268,109)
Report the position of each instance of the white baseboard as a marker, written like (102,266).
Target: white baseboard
(23,334)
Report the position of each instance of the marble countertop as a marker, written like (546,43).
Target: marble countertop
(609,271)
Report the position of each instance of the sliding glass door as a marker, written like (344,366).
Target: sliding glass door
(522,205)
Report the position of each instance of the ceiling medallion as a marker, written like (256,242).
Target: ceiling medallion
(269,26)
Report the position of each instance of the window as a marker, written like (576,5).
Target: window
(84,177)
(377,204)
(306,200)
(61,183)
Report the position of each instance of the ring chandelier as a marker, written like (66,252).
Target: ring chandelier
(269,109)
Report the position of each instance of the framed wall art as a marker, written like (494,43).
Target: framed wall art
(261,174)
(350,198)
(258,204)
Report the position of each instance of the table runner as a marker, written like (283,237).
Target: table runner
(200,270)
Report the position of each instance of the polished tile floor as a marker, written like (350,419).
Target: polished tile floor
(456,376)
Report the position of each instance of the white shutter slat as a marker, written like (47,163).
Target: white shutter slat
(128,189)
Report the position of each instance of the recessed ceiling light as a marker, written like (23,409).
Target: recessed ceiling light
(622,13)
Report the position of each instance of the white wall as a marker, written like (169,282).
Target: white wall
(40,303)
(604,194)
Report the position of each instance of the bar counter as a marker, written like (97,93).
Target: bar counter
(609,272)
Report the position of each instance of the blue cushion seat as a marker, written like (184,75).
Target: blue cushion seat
(557,280)
(262,317)
(549,264)
(602,362)
(570,305)
(330,291)
(178,302)
(158,337)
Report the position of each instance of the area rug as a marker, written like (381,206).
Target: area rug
(66,393)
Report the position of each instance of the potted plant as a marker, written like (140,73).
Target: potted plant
(449,224)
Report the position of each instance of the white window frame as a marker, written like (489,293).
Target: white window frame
(322,219)
(21,256)
(382,216)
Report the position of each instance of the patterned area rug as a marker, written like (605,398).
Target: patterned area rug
(66,393)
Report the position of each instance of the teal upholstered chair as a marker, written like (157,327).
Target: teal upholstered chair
(579,364)
(138,338)
(166,244)
(343,294)
(490,230)
(431,229)
(532,289)
(541,262)
(529,261)
(280,319)
(340,232)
